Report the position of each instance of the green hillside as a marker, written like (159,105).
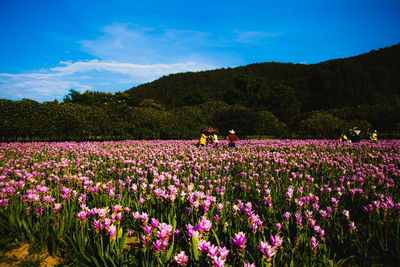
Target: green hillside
(371,78)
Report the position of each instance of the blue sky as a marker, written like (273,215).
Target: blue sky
(50,46)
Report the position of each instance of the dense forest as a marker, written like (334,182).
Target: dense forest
(281,100)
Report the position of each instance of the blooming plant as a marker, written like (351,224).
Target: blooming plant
(268,202)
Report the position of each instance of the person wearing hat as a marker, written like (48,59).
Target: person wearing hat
(374,136)
(214,138)
(232,138)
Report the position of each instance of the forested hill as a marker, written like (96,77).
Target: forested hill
(371,78)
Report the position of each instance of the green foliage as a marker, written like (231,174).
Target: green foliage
(267,123)
(322,125)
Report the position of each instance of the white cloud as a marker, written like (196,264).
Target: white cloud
(143,45)
(86,75)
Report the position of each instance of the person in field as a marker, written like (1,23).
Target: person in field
(203,139)
(214,137)
(232,138)
(374,136)
(344,138)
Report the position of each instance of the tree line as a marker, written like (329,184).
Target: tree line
(28,120)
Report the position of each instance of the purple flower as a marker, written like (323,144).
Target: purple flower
(223,252)
(267,250)
(39,210)
(346,213)
(352,226)
(157,245)
(97,224)
(82,215)
(212,251)
(287,215)
(298,218)
(111,230)
(204,224)
(203,245)
(289,193)
(239,240)
(154,222)
(314,242)
(57,207)
(218,261)
(276,241)
(181,258)
(334,201)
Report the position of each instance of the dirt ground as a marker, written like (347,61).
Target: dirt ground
(21,255)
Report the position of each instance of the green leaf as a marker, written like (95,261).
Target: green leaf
(194,248)
(169,253)
(122,242)
(216,237)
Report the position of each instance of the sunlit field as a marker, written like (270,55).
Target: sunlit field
(265,203)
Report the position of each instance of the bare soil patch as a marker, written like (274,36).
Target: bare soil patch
(21,256)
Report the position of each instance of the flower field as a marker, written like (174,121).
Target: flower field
(265,203)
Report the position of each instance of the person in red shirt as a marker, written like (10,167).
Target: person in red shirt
(232,138)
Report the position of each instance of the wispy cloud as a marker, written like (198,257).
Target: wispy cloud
(86,75)
(254,37)
(144,45)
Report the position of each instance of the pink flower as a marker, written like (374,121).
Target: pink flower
(239,240)
(154,222)
(287,215)
(323,213)
(223,252)
(298,218)
(204,224)
(181,258)
(111,230)
(289,193)
(249,265)
(82,215)
(39,210)
(107,222)
(212,251)
(157,244)
(218,261)
(97,224)
(276,241)
(267,250)
(102,213)
(144,217)
(346,213)
(314,242)
(136,215)
(352,226)
(164,230)
(203,245)
(57,207)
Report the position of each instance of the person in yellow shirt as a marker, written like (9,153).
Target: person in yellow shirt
(203,139)
(374,136)
(344,138)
